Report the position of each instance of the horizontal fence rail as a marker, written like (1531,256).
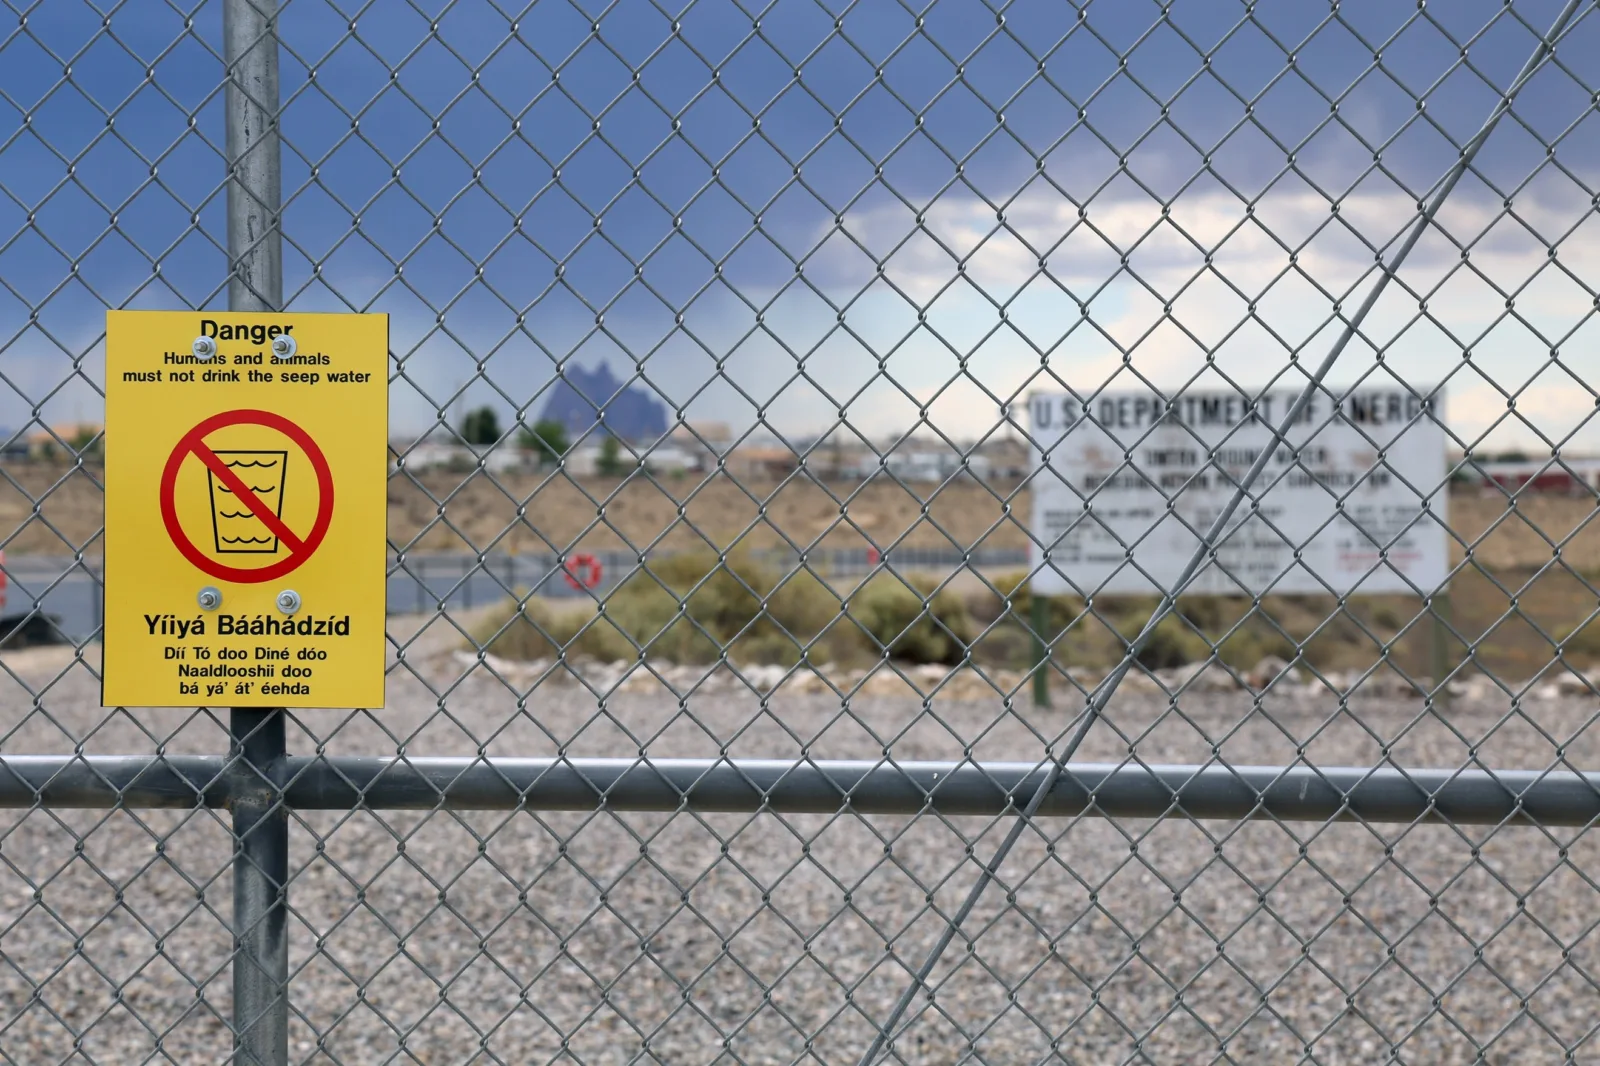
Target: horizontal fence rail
(1300,793)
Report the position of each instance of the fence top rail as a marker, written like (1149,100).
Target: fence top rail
(1298,793)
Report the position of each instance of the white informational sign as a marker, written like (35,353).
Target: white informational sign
(1126,489)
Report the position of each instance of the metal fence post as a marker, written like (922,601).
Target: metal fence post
(255,283)
(255,236)
(260,880)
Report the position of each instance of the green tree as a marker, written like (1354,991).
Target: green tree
(547,439)
(87,441)
(481,427)
(610,462)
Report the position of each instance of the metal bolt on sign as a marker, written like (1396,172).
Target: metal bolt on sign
(204,349)
(288,601)
(209,598)
(284,347)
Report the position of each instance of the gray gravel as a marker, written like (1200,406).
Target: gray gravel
(697,939)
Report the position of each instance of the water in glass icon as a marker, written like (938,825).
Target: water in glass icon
(235,525)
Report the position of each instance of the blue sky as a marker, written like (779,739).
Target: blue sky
(807,208)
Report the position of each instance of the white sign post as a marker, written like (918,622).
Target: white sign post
(1126,484)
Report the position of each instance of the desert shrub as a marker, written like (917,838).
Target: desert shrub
(687,608)
(804,605)
(1213,615)
(1387,616)
(683,608)
(1091,642)
(1123,615)
(914,623)
(1580,644)
(1094,636)
(727,596)
(986,606)
(1245,647)
(1340,642)
(796,611)
(648,617)
(722,597)
(1004,645)
(1172,644)
(691,607)
(531,631)
(769,646)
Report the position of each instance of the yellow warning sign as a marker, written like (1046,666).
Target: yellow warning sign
(246,501)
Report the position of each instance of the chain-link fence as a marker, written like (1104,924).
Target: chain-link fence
(977,532)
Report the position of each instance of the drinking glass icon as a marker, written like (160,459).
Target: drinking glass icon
(235,526)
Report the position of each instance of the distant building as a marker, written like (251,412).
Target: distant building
(1008,458)
(716,436)
(838,454)
(933,464)
(444,454)
(583,399)
(761,461)
(919,461)
(12,445)
(59,439)
(702,443)
(1569,477)
(584,460)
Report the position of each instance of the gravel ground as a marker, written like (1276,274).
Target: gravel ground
(696,939)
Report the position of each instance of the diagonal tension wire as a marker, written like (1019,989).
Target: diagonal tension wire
(1169,598)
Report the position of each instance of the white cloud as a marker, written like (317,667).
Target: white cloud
(976,316)
(1158,307)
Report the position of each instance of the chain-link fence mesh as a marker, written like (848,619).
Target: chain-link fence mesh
(738,638)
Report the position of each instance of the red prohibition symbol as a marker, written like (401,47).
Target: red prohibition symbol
(583,571)
(300,547)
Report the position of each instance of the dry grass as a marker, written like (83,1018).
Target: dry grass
(964,514)
(601,513)
(606,513)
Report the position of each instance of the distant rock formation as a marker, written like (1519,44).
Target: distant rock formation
(636,413)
